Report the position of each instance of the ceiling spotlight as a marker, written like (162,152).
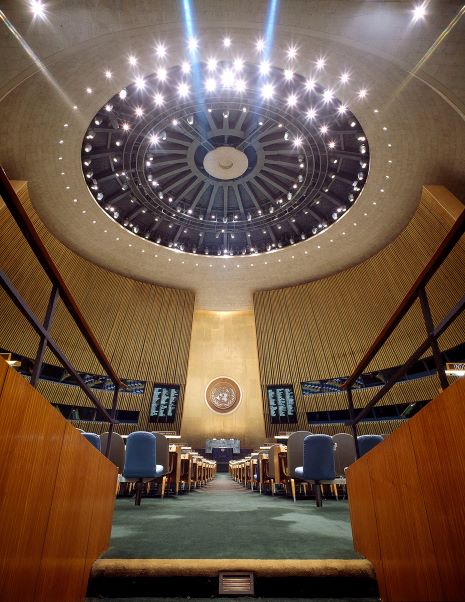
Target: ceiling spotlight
(183,90)
(324,129)
(160,50)
(328,95)
(132,60)
(419,11)
(158,99)
(298,141)
(260,45)
(89,90)
(140,83)
(227,42)
(291,52)
(241,85)
(227,78)
(161,74)
(212,64)
(139,111)
(108,74)
(123,93)
(309,84)
(175,122)
(268,91)
(320,63)
(125,126)
(210,84)
(108,107)
(37,8)
(311,113)
(193,44)
(342,109)
(190,119)
(185,67)
(332,144)
(225,114)
(362,93)
(344,77)
(264,67)
(238,65)
(288,74)
(291,100)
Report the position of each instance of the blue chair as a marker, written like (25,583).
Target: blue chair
(318,463)
(368,442)
(93,439)
(140,463)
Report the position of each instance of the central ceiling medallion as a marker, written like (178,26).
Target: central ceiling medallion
(225,163)
(225,159)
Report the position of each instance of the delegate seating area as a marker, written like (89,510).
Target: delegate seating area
(148,464)
(318,460)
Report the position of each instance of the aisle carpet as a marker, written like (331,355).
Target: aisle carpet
(224,520)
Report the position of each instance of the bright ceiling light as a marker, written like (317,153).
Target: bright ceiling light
(108,74)
(212,64)
(324,129)
(238,65)
(419,11)
(162,74)
(210,84)
(328,95)
(193,44)
(268,91)
(260,45)
(154,139)
(158,99)
(185,67)
(38,9)
(362,93)
(311,113)
(160,50)
(139,111)
(291,52)
(320,63)
(332,144)
(227,78)
(123,93)
(344,77)
(288,74)
(125,126)
(140,83)
(227,42)
(298,141)
(264,67)
(309,84)
(291,100)
(183,90)
(132,60)
(342,109)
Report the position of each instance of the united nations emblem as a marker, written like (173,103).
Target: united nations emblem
(223,395)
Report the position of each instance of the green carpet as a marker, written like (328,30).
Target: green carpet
(224,520)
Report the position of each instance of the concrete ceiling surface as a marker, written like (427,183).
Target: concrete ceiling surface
(414,73)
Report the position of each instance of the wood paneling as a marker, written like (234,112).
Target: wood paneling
(406,504)
(322,329)
(144,329)
(57,496)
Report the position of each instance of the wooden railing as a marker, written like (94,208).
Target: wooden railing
(417,291)
(59,290)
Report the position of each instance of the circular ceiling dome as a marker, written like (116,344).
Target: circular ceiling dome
(225,159)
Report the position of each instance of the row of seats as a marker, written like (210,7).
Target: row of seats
(307,458)
(149,459)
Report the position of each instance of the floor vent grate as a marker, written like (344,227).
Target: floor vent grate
(239,584)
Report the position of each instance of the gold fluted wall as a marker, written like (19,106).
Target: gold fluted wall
(144,329)
(322,329)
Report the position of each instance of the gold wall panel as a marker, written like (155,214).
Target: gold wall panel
(144,329)
(223,344)
(322,329)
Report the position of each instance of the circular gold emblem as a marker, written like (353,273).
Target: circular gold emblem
(223,395)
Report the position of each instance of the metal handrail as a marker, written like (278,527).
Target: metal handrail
(59,290)
(417,291)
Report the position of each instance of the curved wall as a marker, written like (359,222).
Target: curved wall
(322,329)
(144,329)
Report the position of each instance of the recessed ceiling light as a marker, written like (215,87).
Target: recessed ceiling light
(227,42)
(419,12)
(193,44)
(160,50)
(132,60)
(320,63)
(260,45)
(37,8)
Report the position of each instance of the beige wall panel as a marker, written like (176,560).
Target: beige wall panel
(223,344)
(322,329)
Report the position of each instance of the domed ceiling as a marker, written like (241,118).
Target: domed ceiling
(231,147)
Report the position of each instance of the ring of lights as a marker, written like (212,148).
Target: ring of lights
(298,159)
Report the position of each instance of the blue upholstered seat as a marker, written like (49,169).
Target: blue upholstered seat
(140,462)
(93,439)
(368,442)
(318,462)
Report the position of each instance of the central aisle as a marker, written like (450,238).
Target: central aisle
(225,520)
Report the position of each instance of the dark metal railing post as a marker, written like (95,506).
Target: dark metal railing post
(428,318)
(353,424)
(43,341)
(113,416)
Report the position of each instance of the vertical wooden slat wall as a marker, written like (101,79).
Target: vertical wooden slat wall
(144,329)
(322,329)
